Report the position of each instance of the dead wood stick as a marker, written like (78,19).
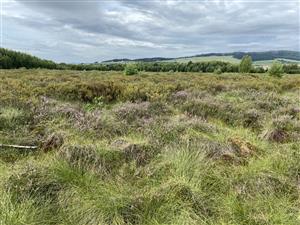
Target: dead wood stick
(18,146)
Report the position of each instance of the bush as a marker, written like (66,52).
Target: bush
(246,64)
(206,108)
(291,68)
(85,91)
(252,118)
(276,69)
(130,69)
(218,71)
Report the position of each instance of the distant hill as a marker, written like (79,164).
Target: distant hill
(155,59)
(269,55)
(283,55)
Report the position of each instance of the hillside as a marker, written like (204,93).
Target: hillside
(234,57)
(154,148)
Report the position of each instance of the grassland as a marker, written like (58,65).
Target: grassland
(154,148)
(269,62)
(230,59)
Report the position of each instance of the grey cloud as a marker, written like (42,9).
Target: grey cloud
(130,28)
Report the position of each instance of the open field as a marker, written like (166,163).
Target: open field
(229,59)
(207,59)
(154,148)
(269,62)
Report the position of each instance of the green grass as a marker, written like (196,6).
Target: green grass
(152,148)
(269,62)
(229,59)
(206,59)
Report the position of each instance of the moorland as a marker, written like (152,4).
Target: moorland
(151,148)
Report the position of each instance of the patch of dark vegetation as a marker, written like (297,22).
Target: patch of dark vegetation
(282,129)
(216,150)
(276,135)
(164,132)
(218,88)
(268,101)
(180,194)
(198,124)
(234,151)
(12,155)
(53,141)
(89,158)
(292,111)
(49,108)
(180,96)
(33,182)
(141,154)
(85,92)
(266,184)
(253,118)
(13,118)
(206,108)
(104,125)
(141,112)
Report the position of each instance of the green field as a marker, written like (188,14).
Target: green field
(269,62)
(229,59)
(149,149)
(206,59)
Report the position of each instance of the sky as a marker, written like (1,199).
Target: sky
(76,31)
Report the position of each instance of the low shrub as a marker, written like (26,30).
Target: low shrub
(253,118)
(130,69)
(218,71)
(85,91)
(206,108)
(180,96)
(276,69)
(140,111)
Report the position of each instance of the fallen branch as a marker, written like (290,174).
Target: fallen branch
(18,146)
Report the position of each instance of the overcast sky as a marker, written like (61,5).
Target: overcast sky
(89,31)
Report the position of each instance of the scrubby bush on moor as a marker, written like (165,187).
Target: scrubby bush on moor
(276,69)
(246,64)
(130,69)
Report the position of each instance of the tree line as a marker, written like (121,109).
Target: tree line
(14,60)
